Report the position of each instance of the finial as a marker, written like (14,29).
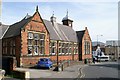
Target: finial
(37,8)
(27,14)
(67,13)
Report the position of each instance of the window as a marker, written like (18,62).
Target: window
(36,43)
(4,47)
(6,50)
(30,42)
(4,43)
(52,48)
(52,44)
(30,35)
(75,49)
(10,50)
(41,50)
(70,50)
(30,50)
(13,50)
(87,47)
(60,48)
(35,50)
(66,48)
(60,44)
(42,36)
(12,47)
(42,44)
(36,36)
(60,51)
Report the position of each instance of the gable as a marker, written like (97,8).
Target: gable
(80,35)
(36,24)
(36,17)
(86,35)
(28,23)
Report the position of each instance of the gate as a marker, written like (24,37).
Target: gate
(7,64)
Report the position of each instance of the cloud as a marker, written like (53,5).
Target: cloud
(61,1)
(100,18)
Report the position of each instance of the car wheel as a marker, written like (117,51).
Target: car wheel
(49,67)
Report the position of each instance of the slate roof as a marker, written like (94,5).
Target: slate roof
(68,33)
(15,29)
(80,35)
(3,29)
(63,32)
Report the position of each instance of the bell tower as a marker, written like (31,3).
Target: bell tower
(67,21)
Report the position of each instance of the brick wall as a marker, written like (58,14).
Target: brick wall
(29,60)
(76,57)
(35,25)
(87,38)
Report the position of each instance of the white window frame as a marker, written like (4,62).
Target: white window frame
(30,35)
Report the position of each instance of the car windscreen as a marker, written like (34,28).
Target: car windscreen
(43,59)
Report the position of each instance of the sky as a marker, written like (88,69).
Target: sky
(101,18)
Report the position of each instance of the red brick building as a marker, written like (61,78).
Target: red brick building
(84,45)
(33,38)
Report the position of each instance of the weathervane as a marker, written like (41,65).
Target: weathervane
(67,13)
(37,8)
(53,13)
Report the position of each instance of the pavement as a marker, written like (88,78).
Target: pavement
(69,72)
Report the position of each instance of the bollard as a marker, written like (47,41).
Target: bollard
(2,73)
(27,75)
(59,68)
(68,62)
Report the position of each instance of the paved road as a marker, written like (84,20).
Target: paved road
(101,70)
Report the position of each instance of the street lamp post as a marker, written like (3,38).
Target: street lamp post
(109,46)
(99,46)
(97,38)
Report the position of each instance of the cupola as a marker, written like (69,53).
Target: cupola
(67,21)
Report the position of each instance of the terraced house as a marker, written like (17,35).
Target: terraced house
(33,38)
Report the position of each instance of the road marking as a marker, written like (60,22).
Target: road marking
(82,75)
(101,67)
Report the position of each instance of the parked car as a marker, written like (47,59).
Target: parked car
(44,62)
